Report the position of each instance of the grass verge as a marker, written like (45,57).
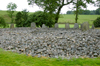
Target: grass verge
(8,58)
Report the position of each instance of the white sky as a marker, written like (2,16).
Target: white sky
(23,4)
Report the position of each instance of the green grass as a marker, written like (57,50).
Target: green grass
(8,58)
(71,26)
(82,18)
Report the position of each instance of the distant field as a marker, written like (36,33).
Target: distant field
(82,18)
(62,19)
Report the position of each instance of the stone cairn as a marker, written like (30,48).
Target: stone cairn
(52,42)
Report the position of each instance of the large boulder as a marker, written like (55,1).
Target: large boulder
(33,25)
(67,26)
(85,26)
(56,25)
(76,26)
(44,26)
(12,26)
(92,27)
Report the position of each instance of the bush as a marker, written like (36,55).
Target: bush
(40,18)
(2,22)
(97,22)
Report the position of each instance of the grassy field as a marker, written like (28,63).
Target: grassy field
(82,18)
(8,58)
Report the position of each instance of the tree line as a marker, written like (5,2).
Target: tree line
(86,12)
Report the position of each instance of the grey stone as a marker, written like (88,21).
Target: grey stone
(0,33)
(68,49)
(56,25)
(76,26)
(12,26)
(67,26)
(92,27)
(95,55)
(39,55)
(85,26)
(33,25)
(44,26)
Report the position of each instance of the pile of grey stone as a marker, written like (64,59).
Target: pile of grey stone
(51,42)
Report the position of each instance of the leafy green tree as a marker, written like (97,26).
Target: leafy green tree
(93,12)
(86,12)
(11,8)
(40,18)
(97,3)
(98,11)
(51,6)
(21,18)
(78,5)
(2,22)
(62,3)
(70,12)
(25,14)
(97,22)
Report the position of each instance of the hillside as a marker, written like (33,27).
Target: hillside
(4,14)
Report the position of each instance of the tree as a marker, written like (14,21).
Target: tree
(93,12)
(51,6)
(2,22)
(98,11)
(11,8)
(98,3)
(78,5)
(18,19)
(69,12)
(40,18)
(21,18)
(62,3)
(97,22)
(86,12)
(25,14)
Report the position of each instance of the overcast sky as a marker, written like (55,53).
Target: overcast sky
(23,4)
